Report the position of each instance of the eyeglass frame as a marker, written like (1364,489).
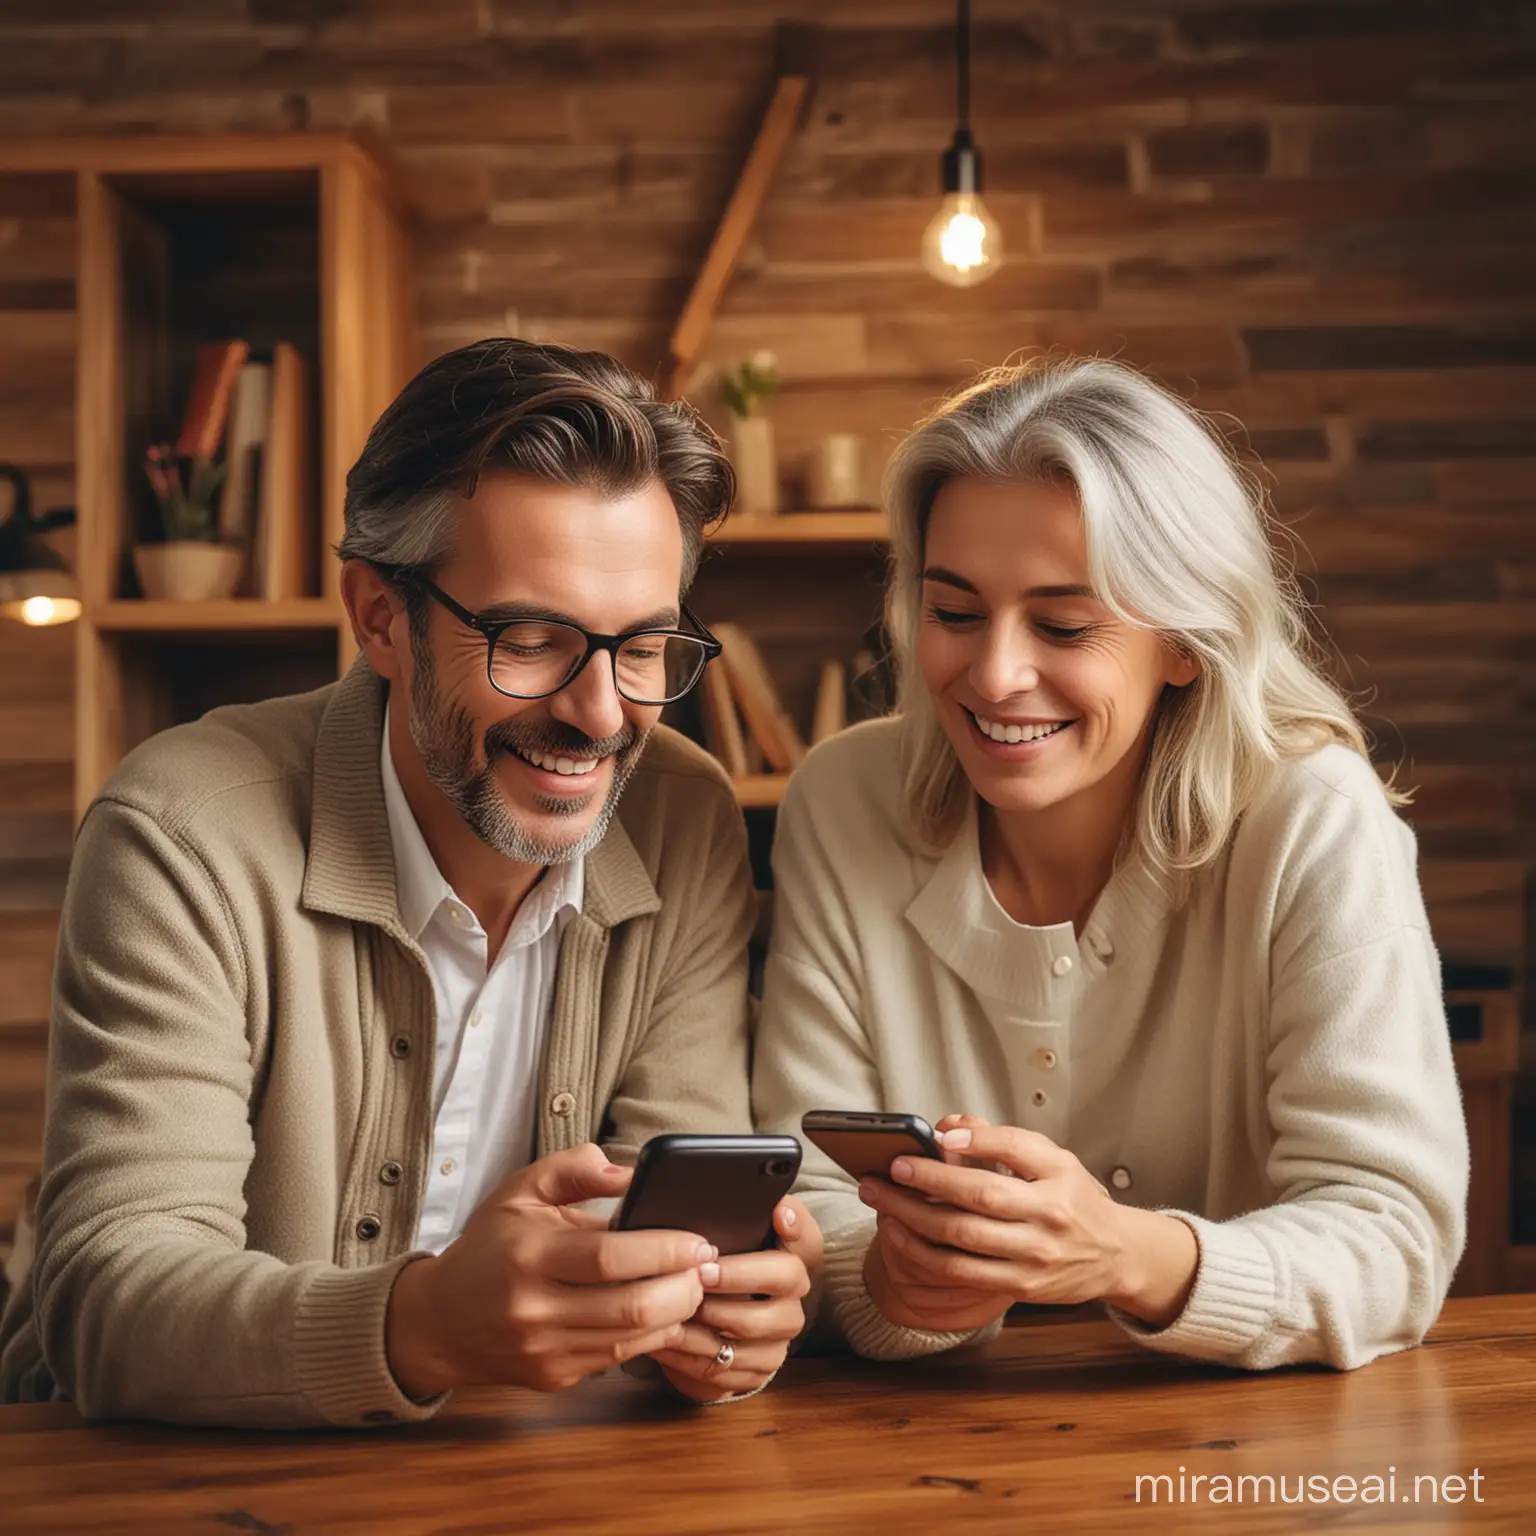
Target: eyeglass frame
(493,629)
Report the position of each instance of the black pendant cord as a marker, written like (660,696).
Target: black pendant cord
(963,63)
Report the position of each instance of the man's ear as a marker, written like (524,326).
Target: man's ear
(379,622)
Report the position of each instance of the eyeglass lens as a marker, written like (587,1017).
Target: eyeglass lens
(531,659)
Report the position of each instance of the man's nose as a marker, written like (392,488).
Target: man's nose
(590,701)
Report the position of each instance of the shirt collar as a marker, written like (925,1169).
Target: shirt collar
(958,917)
(419,884)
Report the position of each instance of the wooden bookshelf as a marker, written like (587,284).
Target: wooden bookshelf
(759,790)
(298,238)
(233,615)
(804,528)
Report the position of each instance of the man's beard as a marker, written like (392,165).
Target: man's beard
(445,740)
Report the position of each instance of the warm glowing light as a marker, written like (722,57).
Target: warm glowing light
(963,245)
(38,611)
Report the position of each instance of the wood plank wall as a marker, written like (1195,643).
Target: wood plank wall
(1316,217)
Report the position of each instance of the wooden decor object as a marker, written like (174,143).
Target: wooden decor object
(284,529)
(760,704)
(178,240)
(831,702)
(698,314)
(722,725)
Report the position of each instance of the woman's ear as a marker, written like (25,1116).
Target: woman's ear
(1183,665)
(373,606)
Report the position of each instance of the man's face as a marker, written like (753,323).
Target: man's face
(528,549)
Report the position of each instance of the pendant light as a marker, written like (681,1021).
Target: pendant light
(962,245)
(35,584)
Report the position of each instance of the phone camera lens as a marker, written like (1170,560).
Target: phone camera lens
(777,1167)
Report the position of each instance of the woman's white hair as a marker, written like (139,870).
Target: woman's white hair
(1178,542)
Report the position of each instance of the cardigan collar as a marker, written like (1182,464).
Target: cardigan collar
(350,870)
(959,918)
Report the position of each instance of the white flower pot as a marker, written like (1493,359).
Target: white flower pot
(757,467)
(188,570)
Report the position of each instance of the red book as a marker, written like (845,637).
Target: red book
(213,380)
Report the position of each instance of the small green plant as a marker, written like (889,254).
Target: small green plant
(187,510)
(748,386)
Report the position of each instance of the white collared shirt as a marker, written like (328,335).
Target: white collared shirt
(490,1027)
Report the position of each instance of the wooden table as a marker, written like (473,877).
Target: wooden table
(1046,1430)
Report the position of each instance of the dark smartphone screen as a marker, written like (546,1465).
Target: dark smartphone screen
(864,1143)
(722,1187)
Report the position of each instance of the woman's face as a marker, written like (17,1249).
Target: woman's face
(1043,692)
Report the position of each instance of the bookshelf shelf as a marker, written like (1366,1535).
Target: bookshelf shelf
(757,790)
(804,528)
(293,243)
(242,615)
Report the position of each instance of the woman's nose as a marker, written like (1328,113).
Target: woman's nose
(1005,666)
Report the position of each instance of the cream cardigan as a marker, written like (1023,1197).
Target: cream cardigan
(1268,1060)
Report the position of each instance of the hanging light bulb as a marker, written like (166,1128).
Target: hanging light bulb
(962,245)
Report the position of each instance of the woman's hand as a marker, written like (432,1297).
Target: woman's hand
(758,1331)
(908,1294)
(1043,1231)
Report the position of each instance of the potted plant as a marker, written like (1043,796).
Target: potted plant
(746,388)
(192,564)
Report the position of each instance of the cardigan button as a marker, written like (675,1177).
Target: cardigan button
(562,1104)
(378,1416)
(1103,951)
(391,1173)
(400,1047)
(1045,1058)
(368,1227)
(1061,965)
(1120,1178)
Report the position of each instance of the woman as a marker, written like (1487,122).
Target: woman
(1116,899)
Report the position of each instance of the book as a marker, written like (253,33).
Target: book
(831,702)
(722,725)
(284,535)
(250,413)
(761,707)
(213,380)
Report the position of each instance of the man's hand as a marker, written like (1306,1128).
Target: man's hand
(760,1332)
(534,1293)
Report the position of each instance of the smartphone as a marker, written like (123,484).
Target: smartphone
(722,1187)
(864,1142)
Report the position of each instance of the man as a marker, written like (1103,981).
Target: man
(349,984)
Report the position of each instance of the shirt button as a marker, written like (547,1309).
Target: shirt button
(390,1173)
(400,1047)
(1061,965)
(1045,1057)
(1121,1178)
(562,1104)
(1037,1098)
(448,1166)
(367,1228)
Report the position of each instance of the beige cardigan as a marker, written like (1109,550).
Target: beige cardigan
(1269,1060)
(240,1059)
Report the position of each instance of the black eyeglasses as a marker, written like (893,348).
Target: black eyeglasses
(534,658)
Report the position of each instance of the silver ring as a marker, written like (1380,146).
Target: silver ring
(726,1355)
